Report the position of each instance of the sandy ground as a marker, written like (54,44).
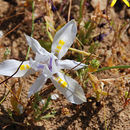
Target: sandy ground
(90,115)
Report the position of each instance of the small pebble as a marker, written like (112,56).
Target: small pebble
(1,33)
(54,96)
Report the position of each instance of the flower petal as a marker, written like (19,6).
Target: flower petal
(40,81)
(69,64)
(9,67)
(34,44)
(64,39)
(69,88)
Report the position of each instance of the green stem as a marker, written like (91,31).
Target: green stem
(113,67)
(79,41)
(4,98)
(81,10)
(33,3)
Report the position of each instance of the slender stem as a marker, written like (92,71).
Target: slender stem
(10,31)
(12,93)
(33,3)
(79,41)
(79,51)
(113,67)
(105,117)
(6,18)
(4,98)
(69,10)
(81,10)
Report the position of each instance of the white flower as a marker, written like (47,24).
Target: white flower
(50,64)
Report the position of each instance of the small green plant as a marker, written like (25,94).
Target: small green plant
(7,52)
(38,112)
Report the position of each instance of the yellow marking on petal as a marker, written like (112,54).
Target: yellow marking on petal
(60,80)
(27,66)
(62,83)
(59,47)
(22,67)
(61,42)
(113,3)
(126,2)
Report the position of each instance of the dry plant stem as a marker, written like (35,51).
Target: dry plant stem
(18,123)
(11,91)
(61,19)
(79,42)
(105,117)
(33,4)
(12,74)
(11,16)
(48,88)
(113,79)
(13,94)
(21,84)
(4,97)
(69,10)
(10,32)
(75,66)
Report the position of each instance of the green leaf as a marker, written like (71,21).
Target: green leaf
(87,24)
(46,104)
(48,116)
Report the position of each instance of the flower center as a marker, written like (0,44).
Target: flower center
(50,64)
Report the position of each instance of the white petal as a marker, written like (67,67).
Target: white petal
(38,84)
(42,58)
(34,44)
(64,39)
(54,96)
(9,67)
(69,64)
(73,91)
